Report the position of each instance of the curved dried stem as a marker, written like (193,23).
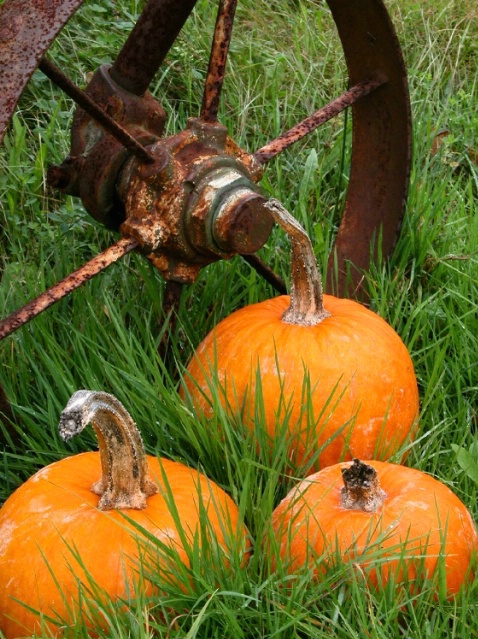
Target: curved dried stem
(306,296)
(124,482)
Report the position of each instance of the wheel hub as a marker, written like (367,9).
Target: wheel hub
(197,201)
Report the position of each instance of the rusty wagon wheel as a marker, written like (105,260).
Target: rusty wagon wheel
(191,198)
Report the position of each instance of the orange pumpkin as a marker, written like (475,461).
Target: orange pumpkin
(56,531)
(363,388)
(389,520)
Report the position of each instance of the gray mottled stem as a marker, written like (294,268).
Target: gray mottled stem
(306,296)
(124,482)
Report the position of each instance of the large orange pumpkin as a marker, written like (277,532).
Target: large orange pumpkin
(389,520)
(363,389)
(60,528)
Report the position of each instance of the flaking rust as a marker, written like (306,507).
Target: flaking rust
(181,208)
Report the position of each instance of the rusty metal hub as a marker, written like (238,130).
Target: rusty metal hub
(192,200)
(198,202)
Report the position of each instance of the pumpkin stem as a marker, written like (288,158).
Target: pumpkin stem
(362,489)
(306,295)
(124,482)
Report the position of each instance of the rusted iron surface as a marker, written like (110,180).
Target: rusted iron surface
(198,203)
(88,105)
(66,286)
(381,144)
(91,170)
(149,42)
(27,28)
(217,60)
(172,297)
(309,124)
(240,224)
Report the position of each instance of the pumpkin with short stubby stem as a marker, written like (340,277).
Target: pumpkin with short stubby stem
(75,522)
(360,377)
(389,521)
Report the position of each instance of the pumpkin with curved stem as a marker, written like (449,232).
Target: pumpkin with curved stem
(391,521)
(80,520)
(363,389)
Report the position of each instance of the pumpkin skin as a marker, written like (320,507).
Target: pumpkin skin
(55,511)
(419,516)
(364,390)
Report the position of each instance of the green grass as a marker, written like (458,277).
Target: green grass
(106,335)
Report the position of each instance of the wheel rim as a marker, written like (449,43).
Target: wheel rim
(381,146)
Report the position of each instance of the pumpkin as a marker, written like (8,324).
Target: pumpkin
(363,388)
(76,520)
(391,521)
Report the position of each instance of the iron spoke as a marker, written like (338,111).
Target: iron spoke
(149,42)
(266,272)
(217,60)
(171,301)
(66,286)
(300,130)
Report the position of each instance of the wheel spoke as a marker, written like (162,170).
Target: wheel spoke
(266,272)
(8,434)
(172,299)
(217,60)
(87,104)
(149,42)
(66,286)
(300,130)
